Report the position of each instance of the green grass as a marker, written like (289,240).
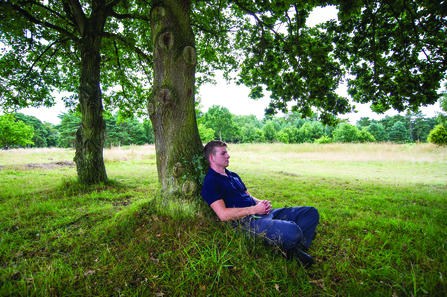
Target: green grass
(382,230)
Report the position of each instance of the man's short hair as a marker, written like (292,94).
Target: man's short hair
(210,148)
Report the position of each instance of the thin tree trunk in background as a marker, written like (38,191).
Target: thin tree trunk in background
(90,135)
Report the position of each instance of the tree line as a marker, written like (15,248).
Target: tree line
(21,130)
(219,123)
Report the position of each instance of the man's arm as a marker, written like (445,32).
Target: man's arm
(225,213)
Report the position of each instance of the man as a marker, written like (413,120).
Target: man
(291,228)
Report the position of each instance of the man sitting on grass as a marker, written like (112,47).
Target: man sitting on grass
(291,228)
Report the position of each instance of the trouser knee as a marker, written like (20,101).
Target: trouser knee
(290,236)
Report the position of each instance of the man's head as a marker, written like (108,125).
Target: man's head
(210,148)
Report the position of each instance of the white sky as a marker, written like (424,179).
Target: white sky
(236,99)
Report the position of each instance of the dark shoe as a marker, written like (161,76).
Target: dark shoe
(305,259)
(296,253)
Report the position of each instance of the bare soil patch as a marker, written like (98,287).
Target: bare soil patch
(51,165)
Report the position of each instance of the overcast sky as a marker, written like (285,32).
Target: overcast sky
(236,99)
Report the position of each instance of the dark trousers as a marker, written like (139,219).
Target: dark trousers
(286,227)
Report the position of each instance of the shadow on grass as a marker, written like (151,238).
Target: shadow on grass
(81,241)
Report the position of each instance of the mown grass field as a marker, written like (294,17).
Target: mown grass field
(382,230)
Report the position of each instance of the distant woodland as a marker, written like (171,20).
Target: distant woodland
(219,123)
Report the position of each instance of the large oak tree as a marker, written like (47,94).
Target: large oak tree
(79,47)
(392,54)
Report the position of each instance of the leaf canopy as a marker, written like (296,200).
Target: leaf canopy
(391,53)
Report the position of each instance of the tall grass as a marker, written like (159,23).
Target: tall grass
(382,230)
(35,155)
(385,152)
(51,155)
(360,152)
(133,152)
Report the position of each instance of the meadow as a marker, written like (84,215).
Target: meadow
(382,231)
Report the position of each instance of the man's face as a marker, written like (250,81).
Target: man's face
(221,158)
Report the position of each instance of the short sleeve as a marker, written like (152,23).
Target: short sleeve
(211,191)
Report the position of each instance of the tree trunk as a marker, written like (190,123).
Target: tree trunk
(180,162)
(90,135)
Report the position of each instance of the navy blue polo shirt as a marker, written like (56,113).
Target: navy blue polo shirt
(229,188)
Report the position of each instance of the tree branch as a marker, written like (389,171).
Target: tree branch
(253,14)
(129,16)
(112,4)
(69,13)
(40,56)
(374,42)
(32,19)
(120,70)
(210,31)
(297,30)
(144,69)
(121,39)
(218,14)
(78,14)
(50,10)
(413,18)
(54,53)
(116,53)
(259,21)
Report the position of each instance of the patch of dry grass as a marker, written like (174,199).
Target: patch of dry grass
(35,155)
(126,153)
(348,152)
(342,152)
(21,158)
(376,163)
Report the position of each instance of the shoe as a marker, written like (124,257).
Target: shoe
(305,259)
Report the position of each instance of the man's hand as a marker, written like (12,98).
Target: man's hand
(266,202)
(263,207)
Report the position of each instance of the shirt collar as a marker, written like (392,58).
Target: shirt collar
(213,172)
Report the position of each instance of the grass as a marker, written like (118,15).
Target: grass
(382,230)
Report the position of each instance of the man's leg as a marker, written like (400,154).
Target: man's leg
(291,228)
(286,234)
(288,227)
(305,217)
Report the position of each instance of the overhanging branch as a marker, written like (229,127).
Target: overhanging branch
(129,16)
(78,14)
(258,20)
(54,53)
(122,40)
(112,4)
(210,31)
(52,11)
(32,19)
(41,55)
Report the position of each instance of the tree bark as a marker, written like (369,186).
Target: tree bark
(90,135)
(180,162)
